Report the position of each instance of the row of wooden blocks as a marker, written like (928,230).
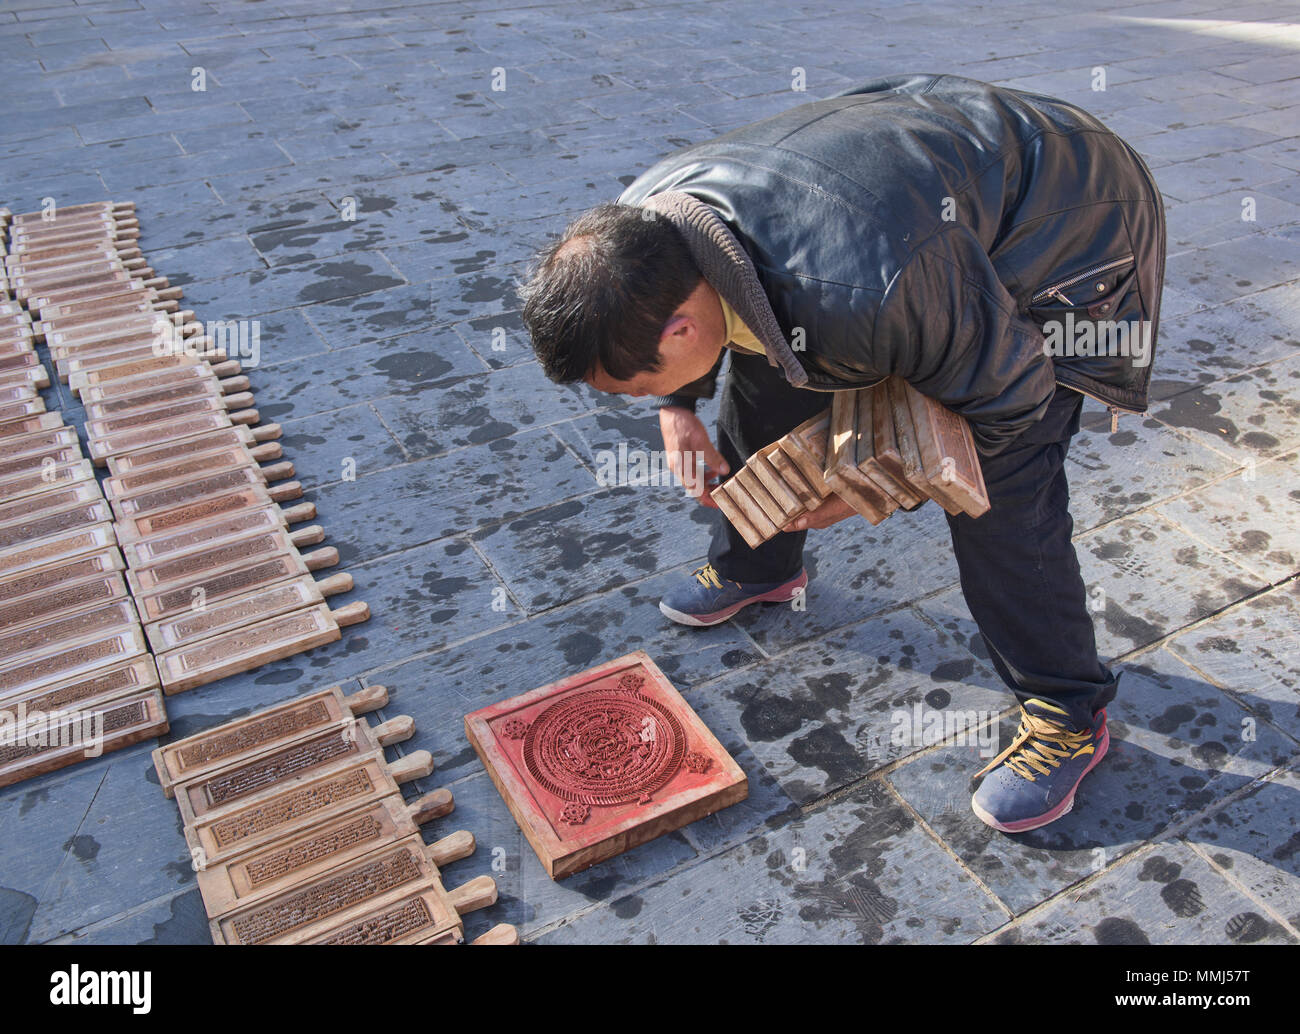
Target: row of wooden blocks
(880,449)
(75,677)
(216,577)
(299,833)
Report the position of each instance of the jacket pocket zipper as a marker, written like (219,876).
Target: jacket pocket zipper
(1057,291)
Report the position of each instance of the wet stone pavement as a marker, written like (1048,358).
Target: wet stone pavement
(460,487)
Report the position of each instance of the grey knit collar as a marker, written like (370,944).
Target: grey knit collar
(730,271)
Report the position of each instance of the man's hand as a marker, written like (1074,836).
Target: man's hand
(684,436)
(832,511)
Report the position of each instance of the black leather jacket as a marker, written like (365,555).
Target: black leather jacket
(929,226)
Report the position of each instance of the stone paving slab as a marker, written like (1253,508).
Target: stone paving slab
(860,873)
(1254,516)
(385,511)
(1177,745)
(1252,652)
(1249,415)
(1113,475)
(1256,844)
(1168,896)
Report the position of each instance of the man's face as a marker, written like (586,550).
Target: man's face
(688,348)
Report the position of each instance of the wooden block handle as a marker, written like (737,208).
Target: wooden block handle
(307,536)
(432,806)
(395,730)
(185,315)
(167,306)
(244,416)
(451,848)
(416,765)
(301,512)
(157,281)
(238,400)
(477,893)
(169,295)
(227,369)
(351,614)
(267,432)
(267,451)
(277,471)
(334,584)
(363,701)
(233,384)
(285,490)
(502,933)
(133,262)
(122,224)
(130,234)
(318,558)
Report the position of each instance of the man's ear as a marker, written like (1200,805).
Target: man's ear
(676,325)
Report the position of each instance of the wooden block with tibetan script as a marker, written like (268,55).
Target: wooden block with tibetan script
(869,449)
(840,467)
(243,649)
(205,512)
(309,754)
(272,726)
(56,545)
(282,809)
(107,683)
(64,738)
(235,612)
(337,896)
(948,458)
(303,856)
(602,761)
(414,918)
(895,437)
(241,525)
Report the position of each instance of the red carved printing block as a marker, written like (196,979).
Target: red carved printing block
(602,761)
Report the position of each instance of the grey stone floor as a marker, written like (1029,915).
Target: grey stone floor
(493,561)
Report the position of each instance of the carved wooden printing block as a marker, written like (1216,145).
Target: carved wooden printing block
(603,761)
(880,449)
(286,809)
(234,741)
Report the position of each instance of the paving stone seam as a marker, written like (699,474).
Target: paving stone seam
(1267,579)
(1228,878)
(487,562)
(384,424)
(1230,693)
(72,936)
(67,850)
(943,846)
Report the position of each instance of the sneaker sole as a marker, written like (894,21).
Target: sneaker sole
(778,595)
(1062,809)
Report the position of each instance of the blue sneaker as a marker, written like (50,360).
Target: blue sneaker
(709,599)
(1033,781)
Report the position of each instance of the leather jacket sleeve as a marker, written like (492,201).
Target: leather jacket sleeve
(948,326)
(689,394)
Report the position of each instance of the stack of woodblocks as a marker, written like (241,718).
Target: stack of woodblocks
(76,678)
(215,574)
(300,835)
(880,449)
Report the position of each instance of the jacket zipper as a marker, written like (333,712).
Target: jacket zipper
(1115,410)
(1057,290)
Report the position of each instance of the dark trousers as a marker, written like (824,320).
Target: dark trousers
(1019,573)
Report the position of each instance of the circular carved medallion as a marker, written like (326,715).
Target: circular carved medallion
(604,747)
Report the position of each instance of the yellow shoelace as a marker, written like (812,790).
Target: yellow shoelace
(1033,749)
(708,577)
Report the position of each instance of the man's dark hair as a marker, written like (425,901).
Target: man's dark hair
(603,292)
